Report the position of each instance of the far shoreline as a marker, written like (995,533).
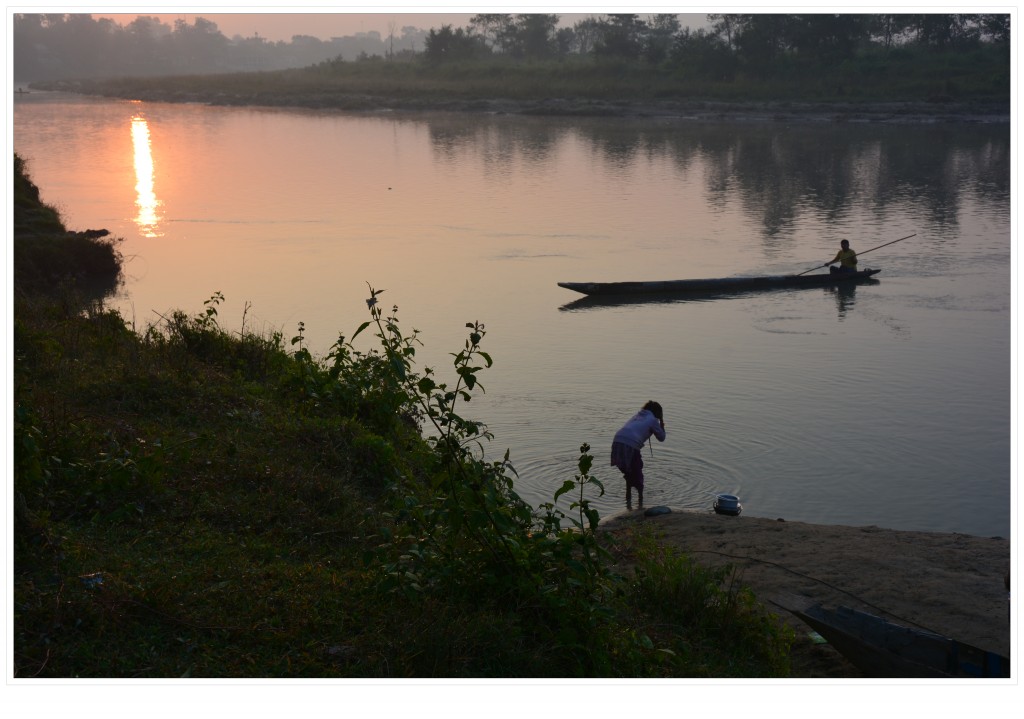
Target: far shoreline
(674,110)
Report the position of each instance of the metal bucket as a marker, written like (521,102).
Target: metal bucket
(728,504)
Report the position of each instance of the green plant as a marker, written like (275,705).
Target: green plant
(458,532)
(708,609)
(461,518)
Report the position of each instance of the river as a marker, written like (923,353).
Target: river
(887,404)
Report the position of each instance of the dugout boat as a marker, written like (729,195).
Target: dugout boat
(716,285)
(881,648)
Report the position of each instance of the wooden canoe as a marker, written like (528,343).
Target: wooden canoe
(881,648)
(711,286)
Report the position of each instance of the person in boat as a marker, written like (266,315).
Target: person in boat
(628,442)
(846,258)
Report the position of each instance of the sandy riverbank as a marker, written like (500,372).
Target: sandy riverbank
(952,584)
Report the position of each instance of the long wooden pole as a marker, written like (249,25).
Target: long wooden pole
(861,253)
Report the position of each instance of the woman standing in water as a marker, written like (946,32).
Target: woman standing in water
(628,442)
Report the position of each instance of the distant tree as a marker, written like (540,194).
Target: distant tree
(826,38)
(703,54)
(54,21)
(942,31)
(995,27)
(146,45)
(392,25)
(889,29)
(565,41)
(28,23)
(724,27)
(760,40)
(493,28)
(28,49)
(448,45)
(303,50)
(199,47)
(146,27)
(413,36)
(586,34)
(255,53)
(661,31)
(620,36)
(533,36)
(75,45)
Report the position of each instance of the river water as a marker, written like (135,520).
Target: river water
(887,404)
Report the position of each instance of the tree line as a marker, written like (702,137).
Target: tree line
(60,46)
(55,46)
(754,42)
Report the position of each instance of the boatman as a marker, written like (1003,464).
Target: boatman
(846,258)
(628,442)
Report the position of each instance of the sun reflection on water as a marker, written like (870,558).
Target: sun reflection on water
(147,218)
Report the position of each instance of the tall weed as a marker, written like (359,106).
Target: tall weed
(461,530)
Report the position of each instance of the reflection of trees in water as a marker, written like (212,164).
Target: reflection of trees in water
(937,168)
(498,145)
(781,173)
(777,172)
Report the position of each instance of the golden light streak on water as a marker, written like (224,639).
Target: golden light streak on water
(147,218)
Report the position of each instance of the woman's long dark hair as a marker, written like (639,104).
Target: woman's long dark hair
(655,409)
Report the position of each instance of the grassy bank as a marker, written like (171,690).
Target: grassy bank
(963,82)
(191,502)
(47,255)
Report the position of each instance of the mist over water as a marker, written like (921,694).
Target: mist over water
(884,404)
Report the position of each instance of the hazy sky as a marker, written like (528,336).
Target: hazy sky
(281,24)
